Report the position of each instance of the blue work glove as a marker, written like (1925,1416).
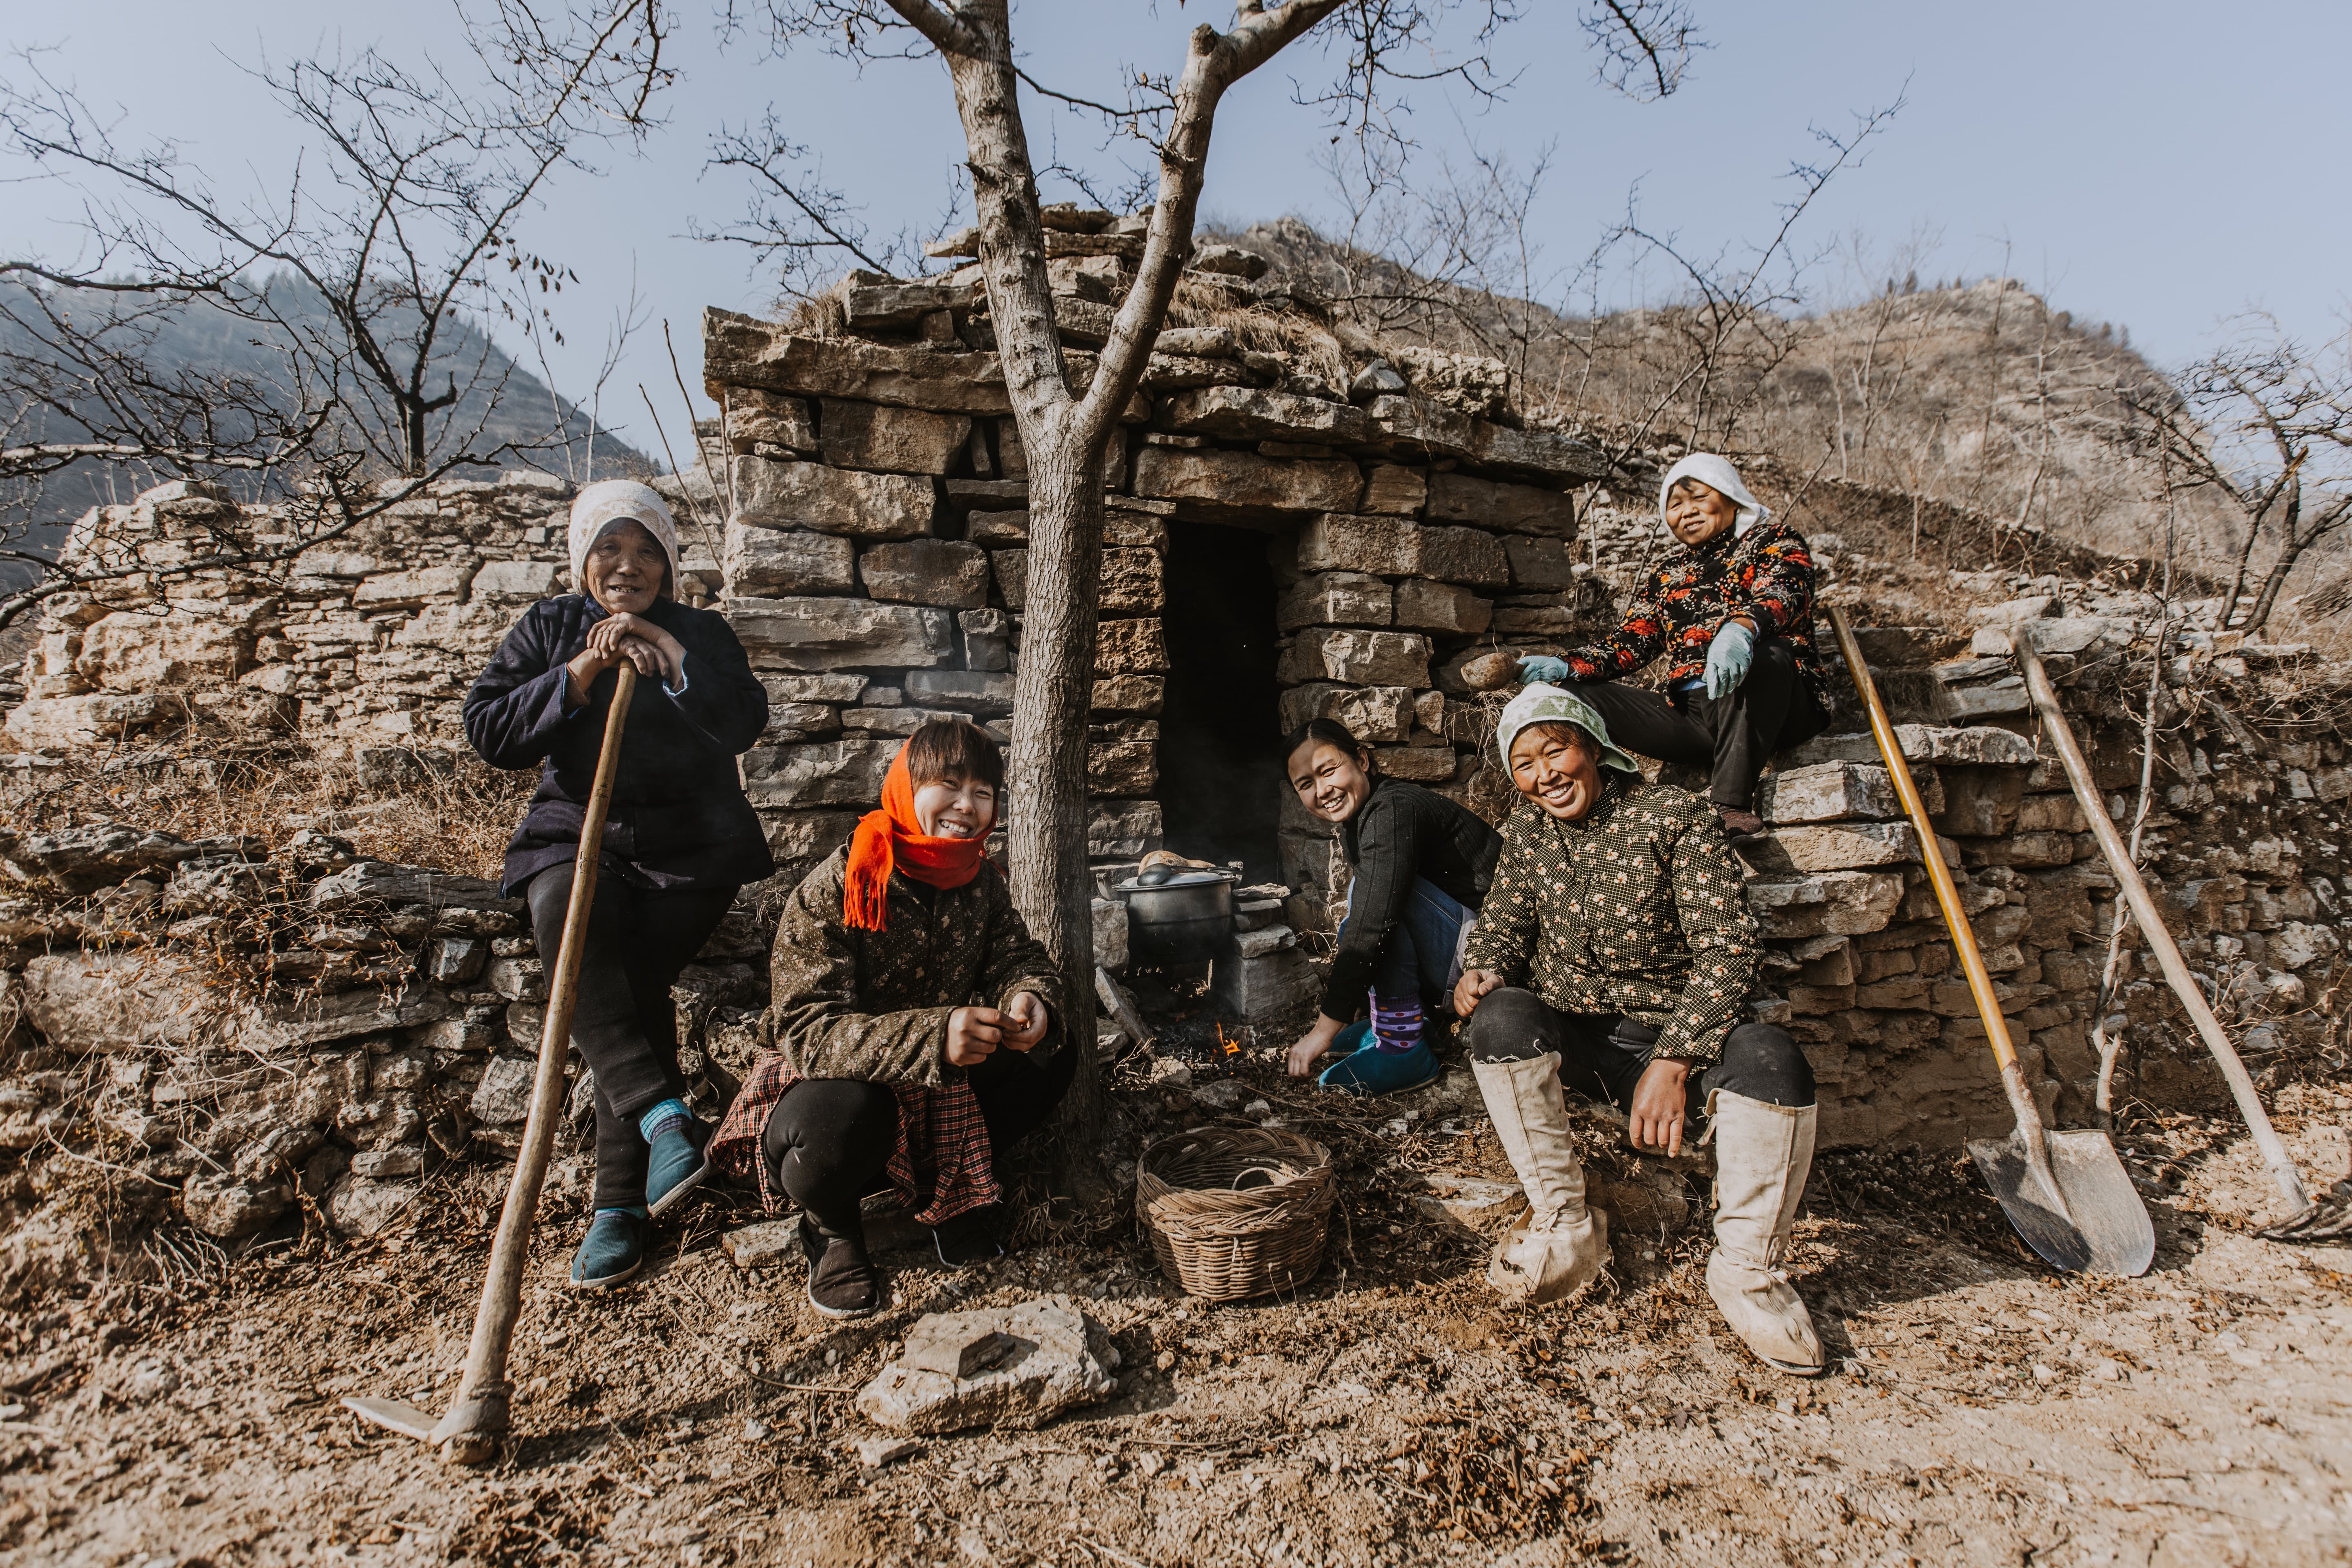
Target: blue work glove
(1727,659)
(1540,668)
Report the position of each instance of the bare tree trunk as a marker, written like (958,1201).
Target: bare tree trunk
(2238,578)
(1067,433)
(1051,882)
(2272,581)
(1046,821)
(2297,542)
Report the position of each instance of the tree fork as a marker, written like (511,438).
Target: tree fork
(1068,435)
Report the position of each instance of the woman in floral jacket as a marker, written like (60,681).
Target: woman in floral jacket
(1734,609)
(913,1040)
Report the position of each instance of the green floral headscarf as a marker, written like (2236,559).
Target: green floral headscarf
(1541,704)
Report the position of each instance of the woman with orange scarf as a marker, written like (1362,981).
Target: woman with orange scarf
(912,1040)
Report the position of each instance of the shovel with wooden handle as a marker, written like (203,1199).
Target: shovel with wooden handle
(2301,1222)
(2067,1193)
(470,1433)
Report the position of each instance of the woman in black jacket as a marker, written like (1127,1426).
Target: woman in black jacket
(679,838)
(1422,866)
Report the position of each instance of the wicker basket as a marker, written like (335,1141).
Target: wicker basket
(1234,1214)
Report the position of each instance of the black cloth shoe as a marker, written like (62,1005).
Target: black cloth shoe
(969,1237)
(1741,826)
(841,1281)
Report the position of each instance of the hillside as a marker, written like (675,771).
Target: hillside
(500,402)
(1981,398)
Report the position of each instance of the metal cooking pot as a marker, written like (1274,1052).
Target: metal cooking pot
(1187,919)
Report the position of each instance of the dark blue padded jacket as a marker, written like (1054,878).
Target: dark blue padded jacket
(678,817)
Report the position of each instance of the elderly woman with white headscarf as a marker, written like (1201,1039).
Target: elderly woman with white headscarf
(1733,608)
(679,838)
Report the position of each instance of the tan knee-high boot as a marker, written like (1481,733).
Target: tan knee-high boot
(1762,1153)
(1559,1246)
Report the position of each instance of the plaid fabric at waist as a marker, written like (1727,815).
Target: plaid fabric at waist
(940,1136)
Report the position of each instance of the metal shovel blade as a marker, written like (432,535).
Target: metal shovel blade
(2104,1227)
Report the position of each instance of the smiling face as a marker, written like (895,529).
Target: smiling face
(1697,513)
(1552,766)
(1331,783)
(627,569)
(959,807)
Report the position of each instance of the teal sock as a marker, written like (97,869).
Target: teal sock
(653,1123)
(637,1209)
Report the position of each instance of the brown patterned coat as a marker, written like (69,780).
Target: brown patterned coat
(874,1005)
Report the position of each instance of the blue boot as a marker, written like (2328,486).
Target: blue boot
(1375,1071)
(1353,1038)
(613,1250)
(677,1163)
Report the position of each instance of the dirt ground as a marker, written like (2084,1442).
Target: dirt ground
(1980,1409)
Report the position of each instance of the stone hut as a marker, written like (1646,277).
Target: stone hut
(1288,535)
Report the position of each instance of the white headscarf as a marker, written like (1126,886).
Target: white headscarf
(1542,704)
(608,502)
(1716,474)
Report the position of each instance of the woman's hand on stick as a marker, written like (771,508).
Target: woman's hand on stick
(592,662)
(659,653)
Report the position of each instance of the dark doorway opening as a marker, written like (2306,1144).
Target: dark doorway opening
(1220,744)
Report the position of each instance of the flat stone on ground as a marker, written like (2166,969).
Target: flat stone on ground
(1058,1360)
(876,1452)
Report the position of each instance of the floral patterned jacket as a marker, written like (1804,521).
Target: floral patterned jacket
(1639,909)
(1766,572)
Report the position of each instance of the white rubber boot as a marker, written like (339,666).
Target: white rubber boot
(1559,1246)
(1762,1153)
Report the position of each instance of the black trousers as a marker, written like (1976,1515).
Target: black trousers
(828,1138)
(1734,736)
(1602,1055)
(624,1021)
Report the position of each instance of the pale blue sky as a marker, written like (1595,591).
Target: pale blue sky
(2160,165)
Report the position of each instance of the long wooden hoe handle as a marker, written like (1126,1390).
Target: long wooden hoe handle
(1956,919)
(470,1433)
(2151,922)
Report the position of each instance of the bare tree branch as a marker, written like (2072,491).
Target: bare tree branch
(1645,45)
(350,296)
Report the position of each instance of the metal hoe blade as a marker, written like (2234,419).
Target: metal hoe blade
(2098,1222)
(395,1415)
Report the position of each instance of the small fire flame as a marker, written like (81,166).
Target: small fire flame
(1225,1044)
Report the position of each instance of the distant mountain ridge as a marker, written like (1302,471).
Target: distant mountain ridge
(510,405)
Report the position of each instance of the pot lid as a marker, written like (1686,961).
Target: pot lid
(1182,879)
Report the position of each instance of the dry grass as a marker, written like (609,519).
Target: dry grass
(196,787)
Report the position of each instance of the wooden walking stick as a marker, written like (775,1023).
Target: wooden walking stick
(470,1432)
(2152,927)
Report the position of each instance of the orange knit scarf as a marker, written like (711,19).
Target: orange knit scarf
(891,840)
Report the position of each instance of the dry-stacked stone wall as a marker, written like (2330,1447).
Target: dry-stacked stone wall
(867,534)
(366,640)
